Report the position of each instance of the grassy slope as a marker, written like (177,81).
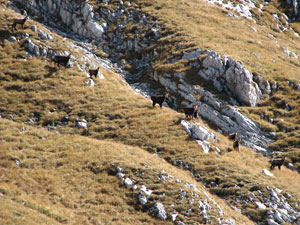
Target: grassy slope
(198,24)
(114,112)
(70,179)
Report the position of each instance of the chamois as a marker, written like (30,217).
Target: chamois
(93,72)
(62,60)
(236,145)
(277,162)
(191,112)
(159,99)
(19,21)
(233,136)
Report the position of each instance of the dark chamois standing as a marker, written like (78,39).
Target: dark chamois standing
(277,162)
(191,112)
(62,60)
(236,145)
(159,99)
(93,72)
(196,113)
(233,136)
(19,21)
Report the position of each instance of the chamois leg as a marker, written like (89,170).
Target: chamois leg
(153,104)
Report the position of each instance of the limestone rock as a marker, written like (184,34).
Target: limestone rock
(260,205)
(267,172)
(239,81)
(81,123)
(128,182)
(191,55)
(12,39)
(158,211)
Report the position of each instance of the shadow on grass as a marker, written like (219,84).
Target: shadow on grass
(4,34)
(50,70)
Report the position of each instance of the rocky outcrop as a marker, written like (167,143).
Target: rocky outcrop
(79,16)
(158,211)
(226,74)
(230,74)
(191,199)
(76,15)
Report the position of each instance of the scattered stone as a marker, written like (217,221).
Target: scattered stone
(144,194)
(143,199)
(158,211)
(270,221)
(120,175)
(267,172)
(34,28)
(12,39)
(89,82)
(82,123)
(260,205)
(173,216)
(128,182)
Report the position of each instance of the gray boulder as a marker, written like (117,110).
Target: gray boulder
(158,211)
(239,81)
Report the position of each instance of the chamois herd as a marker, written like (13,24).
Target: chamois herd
(190,112)
(275,161)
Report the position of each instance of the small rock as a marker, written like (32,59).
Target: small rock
(274,196)
(271,222)
(12,39)
(267,172)
(120,175)
(42,35)
(34,28)
(158,211)
(291,166)
(89,82)
(277,217)
(143,199)
(81,123)
(119,169)
(128,182)
(173,216)
(134,187)
(286,52)
(229,222)
(260,205)
(163,178)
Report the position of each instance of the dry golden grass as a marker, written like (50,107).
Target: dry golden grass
(68,179)
(55,164)
(208,27)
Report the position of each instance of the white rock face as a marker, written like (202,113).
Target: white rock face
(80,17)
(96,30)
(239,81)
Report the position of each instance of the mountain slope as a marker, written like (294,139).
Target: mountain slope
(72,179)
(37,92)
